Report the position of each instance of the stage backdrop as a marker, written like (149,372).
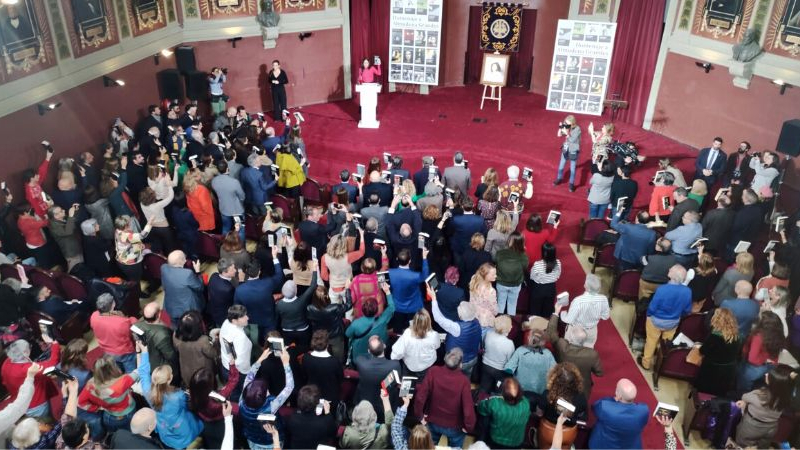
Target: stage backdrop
(415,38)
(500,27)
(581,61)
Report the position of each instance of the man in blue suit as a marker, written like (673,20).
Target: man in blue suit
(710,163)
(620,421)
(463,226)
(221,289)
(405,289)
(256,295)
(352,190)
(635,240)
(183,290)
(257,181)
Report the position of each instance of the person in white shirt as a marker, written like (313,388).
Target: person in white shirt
(233,337)
(588,309)
(417,345)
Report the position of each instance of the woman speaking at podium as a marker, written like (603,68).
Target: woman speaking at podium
(368,73)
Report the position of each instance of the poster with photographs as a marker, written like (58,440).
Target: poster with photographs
(581,61)
(415,32)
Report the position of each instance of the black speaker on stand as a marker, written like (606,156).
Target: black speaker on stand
(789,140)
(196,85)
(184,58)
(170,84)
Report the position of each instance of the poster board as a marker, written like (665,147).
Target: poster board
(581,63)
(415,37)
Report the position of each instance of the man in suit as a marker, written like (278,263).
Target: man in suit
(396,168)
(462,227)
(737,167)
(58,308)
(137,176)
(710,163)
(635,240)
(422,177)
(255,294)
(183,290)
(405,288)
(372,370)
(16,27)
(717,225)
(570,348)
(620,421)
(231,198)
(153,120)
(158,339)
(189,116)
(257,181)
(221,291)
(457,177)
(682,203)
(656,268)
(746,223)
(376,186)
(352,190)
(311,232)
(403,227)
(151,141)
(91,177)
(377,212)
(97,252)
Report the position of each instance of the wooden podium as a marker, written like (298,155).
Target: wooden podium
(369,103)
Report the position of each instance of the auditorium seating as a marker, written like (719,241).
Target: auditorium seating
(589,230)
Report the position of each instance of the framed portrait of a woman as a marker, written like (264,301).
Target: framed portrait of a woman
(495,69)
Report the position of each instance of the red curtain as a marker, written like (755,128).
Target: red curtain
(521,62)
(369,35)
(639,29)
(380,11)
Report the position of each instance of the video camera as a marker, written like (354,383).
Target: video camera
(625,150)
(564,126)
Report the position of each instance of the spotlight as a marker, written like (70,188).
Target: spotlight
(45,108)
(234,40)
(304,36)
(166,53)
(10,2)
(112,82)
(704,65)
(784,85)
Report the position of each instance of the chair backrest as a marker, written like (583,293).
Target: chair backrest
(252,229)
(627,285)
(74,327)
(311,191)
(208,245)
(605,255)
(8,271)
(592,228)
(72,287)
(694,327)
(152,265)
(290,209)
(40,277)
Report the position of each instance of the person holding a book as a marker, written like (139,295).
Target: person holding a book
(623,191)
(684,238)
(635,240)
(720,353)
(670,302)
(508,415)
(620,420)
(742,306)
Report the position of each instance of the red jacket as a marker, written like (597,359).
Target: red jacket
(113,332)
(33,193)
(31,230)
(368,75)
(13,375)
(534,242)
(445,396)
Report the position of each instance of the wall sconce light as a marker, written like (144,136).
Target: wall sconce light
(784,85)
(166,53)
(44,109)
(704,65)
(111,82)
(234,40)
(304,36)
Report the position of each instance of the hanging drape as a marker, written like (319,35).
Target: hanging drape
(369,35)
(521,62)
(640,25)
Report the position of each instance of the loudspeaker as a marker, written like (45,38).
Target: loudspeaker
(789,140)
(196,85)
(184,57)
(169,84)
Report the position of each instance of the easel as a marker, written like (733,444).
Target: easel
(495,93)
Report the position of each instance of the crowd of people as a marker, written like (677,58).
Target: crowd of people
(409,286)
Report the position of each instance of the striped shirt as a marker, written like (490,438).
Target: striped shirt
(115,399)
(587,310)
(539,272)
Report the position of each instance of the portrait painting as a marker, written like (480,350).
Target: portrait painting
(495,69)
(408,55)
(564,36)
(146,15)
(92,23)
(557,81)
(583,84)
(784,36)
(430,75)
(586,65)
(26,46)
(573,64)
(560,64)
(410,7)
(419,56)
(555,99)
(791,16)
(571,84)
(408,71)
(419,74)
(722,14)
(597,86)
(408,37)
(430,56)
(433,39)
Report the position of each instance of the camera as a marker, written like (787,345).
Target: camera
(224,70)
(564,126)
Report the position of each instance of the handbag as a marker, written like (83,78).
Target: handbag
(694,356)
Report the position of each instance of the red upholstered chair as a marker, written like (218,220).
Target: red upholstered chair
(8,271)
(347,389)
(152,266)
(637,326)
(33,319)
(75,327)
(311,192)
(291,212)
(590,229)
(604,256)
(41,277)
(71,286)
(130,305)
(208,246)
(252,227)
(670,361)
(626,286)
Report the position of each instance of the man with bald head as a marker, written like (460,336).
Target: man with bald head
(140,436)
(571,348)
(158,338)
(183,290)
(670,302)
(620,421)
(376,186)
(743,307)
(226,120)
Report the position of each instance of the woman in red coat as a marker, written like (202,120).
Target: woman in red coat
(368,73)
(537,233)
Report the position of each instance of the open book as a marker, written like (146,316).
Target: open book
(681,340)
(665,409)
(741,247)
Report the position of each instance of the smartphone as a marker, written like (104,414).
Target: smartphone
(562,299)
(361,169)
(217,397)
(466,164)
(314,253)
(527,174)
(383,277)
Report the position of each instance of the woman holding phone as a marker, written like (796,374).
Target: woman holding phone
(369,73)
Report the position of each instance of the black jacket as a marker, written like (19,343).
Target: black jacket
(124,439)
(98,254)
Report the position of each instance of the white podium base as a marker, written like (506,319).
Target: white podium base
(366,124)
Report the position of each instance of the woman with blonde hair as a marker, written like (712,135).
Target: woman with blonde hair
(161,239)
(417,346)
(489,178)
(199,202)
(483,296)
(570,150)
(497,237)
(498,349)
(177,427)
(741,270)
(337,264)
(699,191)
(109,392)
(720,351)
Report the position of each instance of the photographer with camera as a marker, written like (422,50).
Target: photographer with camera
(570,149)
(219,75)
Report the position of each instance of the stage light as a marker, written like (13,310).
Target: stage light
(111,82)
(704,65)
(44,109)
(304,36)
(784,85)
(166,53)
(234,40)
(10,2)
